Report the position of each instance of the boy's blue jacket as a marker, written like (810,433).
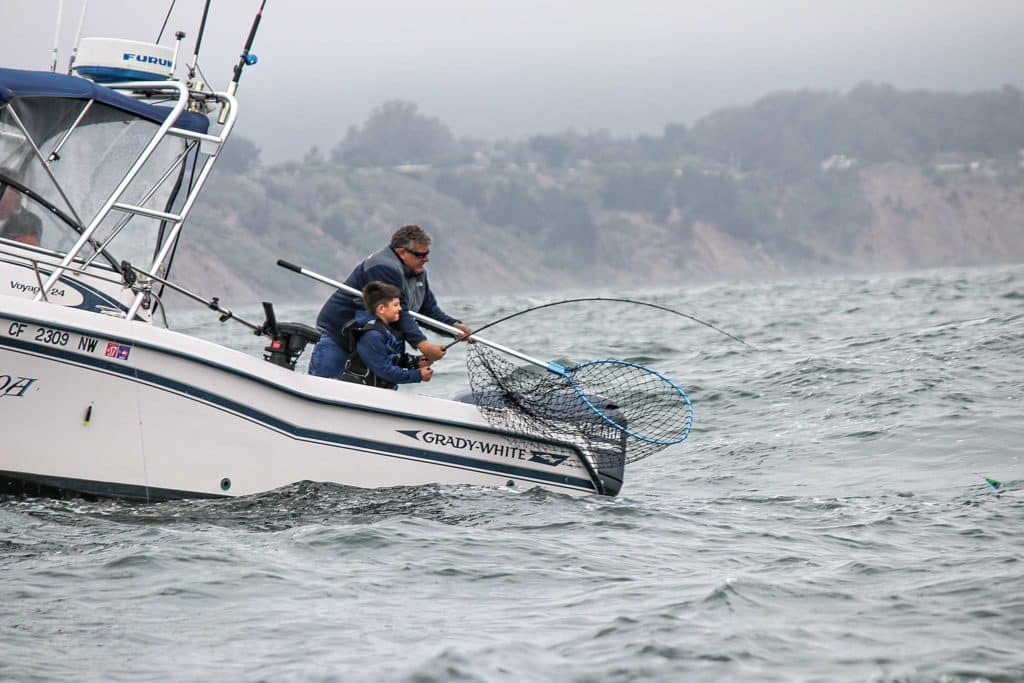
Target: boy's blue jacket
(381,351)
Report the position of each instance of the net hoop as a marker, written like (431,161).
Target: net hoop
(675,387)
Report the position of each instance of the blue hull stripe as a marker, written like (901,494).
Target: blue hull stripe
(23,482)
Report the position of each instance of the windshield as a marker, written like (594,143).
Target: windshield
(69,156)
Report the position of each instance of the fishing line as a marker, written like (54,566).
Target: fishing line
(602,298)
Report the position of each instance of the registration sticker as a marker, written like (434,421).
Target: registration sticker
(119,351)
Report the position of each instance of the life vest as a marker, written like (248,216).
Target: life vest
(355,369)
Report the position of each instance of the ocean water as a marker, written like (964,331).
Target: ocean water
(829,519)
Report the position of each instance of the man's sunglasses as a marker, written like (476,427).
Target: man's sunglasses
(419,254)
(3,189)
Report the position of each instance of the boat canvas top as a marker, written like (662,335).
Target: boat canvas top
(44,84)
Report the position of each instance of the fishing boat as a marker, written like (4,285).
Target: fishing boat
(100,168)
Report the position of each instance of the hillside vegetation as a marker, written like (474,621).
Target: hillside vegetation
(798,182)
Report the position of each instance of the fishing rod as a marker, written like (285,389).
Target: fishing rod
(129,271)
(603,298)
(246,58)
(167,17)
(287,340)
(199,41)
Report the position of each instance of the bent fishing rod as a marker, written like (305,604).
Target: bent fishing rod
(609,299)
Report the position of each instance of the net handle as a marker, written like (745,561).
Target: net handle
(437,324)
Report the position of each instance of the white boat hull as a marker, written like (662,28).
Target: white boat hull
(104,406)
(97,399)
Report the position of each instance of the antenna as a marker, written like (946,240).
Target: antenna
(78,36)
(56,35)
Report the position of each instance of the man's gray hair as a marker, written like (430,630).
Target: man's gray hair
(408,236)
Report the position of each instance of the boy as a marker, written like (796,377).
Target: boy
(379,359)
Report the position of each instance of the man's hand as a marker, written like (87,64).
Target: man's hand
(430,351)
(466,331)
(426,373)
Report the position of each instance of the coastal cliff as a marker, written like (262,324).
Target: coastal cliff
(910,218)
(796,184)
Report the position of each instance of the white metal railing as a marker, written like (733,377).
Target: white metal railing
(168,244)
(113,202)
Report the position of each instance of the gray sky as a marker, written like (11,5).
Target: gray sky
(495,69)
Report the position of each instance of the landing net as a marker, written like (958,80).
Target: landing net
(609,407)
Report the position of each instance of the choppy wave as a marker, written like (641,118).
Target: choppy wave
(828,519)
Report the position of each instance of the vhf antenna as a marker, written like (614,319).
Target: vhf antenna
(56,35)
(78,37)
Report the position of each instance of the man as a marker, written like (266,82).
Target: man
(402,264)
(15,224)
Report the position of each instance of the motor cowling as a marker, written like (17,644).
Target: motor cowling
(288,344)
(287,340)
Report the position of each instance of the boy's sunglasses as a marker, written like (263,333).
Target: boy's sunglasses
(419,254)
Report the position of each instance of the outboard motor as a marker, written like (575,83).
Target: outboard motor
(287,340)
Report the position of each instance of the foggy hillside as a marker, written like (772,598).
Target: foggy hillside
(798,182)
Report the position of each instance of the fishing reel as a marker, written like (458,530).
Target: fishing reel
(287,340)
(144,285)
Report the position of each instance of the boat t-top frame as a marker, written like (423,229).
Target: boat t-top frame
(162,199)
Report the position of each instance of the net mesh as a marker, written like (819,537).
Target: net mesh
(611,409)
